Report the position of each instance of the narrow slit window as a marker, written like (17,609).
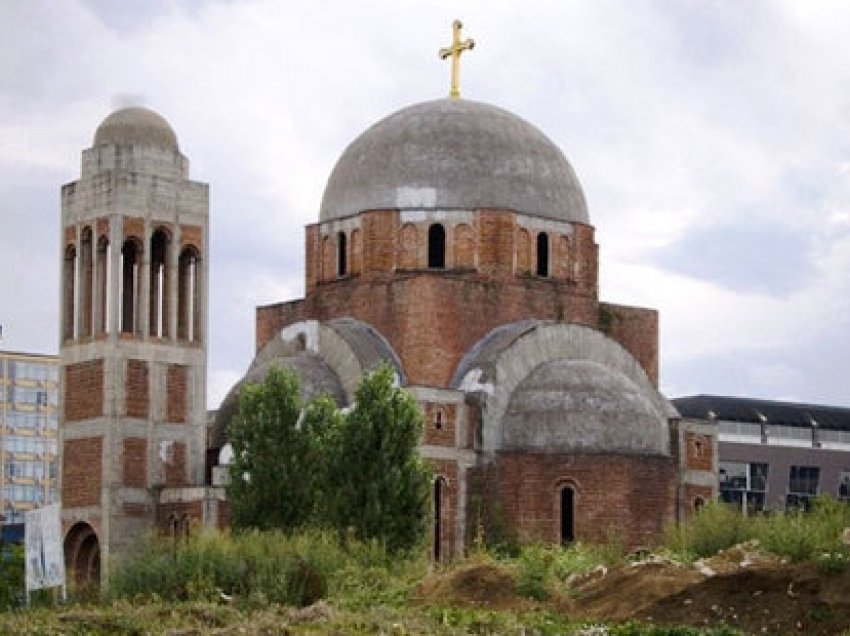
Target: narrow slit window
(436,247)
(341,255)
(542,254)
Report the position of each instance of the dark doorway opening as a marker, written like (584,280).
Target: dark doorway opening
(567,515)
(438,513)
(82,557)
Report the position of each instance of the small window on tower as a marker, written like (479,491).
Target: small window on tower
(341,255)
(436,247)
(438,420)
(543,254)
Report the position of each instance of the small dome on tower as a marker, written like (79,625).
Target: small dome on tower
(454,154)
(136,126)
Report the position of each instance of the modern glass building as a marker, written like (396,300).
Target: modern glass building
(29,395)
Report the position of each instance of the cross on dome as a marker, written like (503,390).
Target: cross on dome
(454,52)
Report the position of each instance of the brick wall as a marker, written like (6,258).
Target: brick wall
(432,318)
(699,451)
(193,510)
(138,390)
(633,496)
(636,329)
(271,318)
(175,464)
(694,496)
(192,235)
(440,424)
(176,389)
(82,471)
(133,227)
(83,390)
(135,462)
(380,233)
(464,247)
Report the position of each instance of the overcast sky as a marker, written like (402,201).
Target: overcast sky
(712,140)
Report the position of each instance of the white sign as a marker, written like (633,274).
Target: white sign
(43,541)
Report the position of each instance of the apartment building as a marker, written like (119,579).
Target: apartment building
(29,395)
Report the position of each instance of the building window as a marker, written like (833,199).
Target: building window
(69,278)
(436,246)
(438,420)
(844,485)
(188,299)
(158,287)
(743,485)
(567,496)
(131,254)
(803,484)
(542,254)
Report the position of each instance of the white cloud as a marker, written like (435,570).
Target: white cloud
(677,117)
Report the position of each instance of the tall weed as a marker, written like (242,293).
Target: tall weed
(255,567)
(715,527)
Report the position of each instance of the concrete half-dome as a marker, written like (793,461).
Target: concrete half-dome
(454,154)
(582,406)
(136,126)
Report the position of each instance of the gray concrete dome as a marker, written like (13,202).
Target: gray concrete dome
(136,126)
(582,406)
(454,154)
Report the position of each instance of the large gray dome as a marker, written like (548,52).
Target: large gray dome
(136,126)
(454,154)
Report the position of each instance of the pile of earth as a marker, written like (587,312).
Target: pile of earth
(741,587)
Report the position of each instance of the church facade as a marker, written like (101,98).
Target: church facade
(453,242)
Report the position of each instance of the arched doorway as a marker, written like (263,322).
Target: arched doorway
(567,502)
(82,556)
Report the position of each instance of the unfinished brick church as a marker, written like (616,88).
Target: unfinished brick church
(453,241)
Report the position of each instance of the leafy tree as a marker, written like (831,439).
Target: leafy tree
(277,466)
(379,485)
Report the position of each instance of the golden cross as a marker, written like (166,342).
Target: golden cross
(454,52)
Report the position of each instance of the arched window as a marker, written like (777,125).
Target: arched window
(86,282)
(341,255)
(131,255)
(542,254)
(567,515)
(102,267)
(188,293)
(436,246)
(69,277)
(158,299)
(699,502)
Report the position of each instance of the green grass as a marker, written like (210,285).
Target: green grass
(799,536)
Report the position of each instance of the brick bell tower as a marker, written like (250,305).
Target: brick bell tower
(133,337)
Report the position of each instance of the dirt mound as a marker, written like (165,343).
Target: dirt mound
(742,588)
(473,585)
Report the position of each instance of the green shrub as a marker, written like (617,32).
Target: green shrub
(534,571)
(715,527)
(806,536)
(12,592)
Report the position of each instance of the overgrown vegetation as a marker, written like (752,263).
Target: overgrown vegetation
(814,536)
(255,568)
(359,473)
(11,576)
